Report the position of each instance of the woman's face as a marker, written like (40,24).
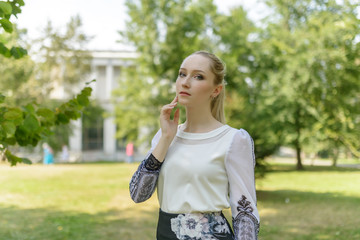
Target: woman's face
(195,83)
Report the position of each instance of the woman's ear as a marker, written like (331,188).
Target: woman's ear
(217,90)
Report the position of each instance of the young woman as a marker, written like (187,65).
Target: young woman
(201,166)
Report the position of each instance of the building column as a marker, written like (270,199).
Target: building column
(75,141)
(109,124)
(109,79)
(109,138)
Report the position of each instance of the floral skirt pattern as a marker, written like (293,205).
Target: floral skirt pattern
(193,226)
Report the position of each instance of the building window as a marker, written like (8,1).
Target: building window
(93,133)
(121,144)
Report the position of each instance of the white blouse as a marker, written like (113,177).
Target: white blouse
(203,172)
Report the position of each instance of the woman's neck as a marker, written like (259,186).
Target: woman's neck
(200,121)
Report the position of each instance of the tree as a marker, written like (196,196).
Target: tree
(307,68)
(62,63)
(338,32)
(62,60)
(28,124)
(15,75)
(246,105)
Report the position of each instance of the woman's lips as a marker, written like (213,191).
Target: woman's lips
(184,94)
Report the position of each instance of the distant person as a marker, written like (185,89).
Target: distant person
(202,166)
(48,154)
(64,153)
(130,152)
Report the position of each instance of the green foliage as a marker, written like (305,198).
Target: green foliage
(28,124)
(16,75)
(245,104)
(63,59)
(293,81)
(23,122)
(7,9)
(308,62)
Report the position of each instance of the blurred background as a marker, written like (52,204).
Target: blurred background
(292,70)
(293,82)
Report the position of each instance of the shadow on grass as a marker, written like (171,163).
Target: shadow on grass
(288,214)
(92,163)
(45,223)
(285,214)
(300,196)
(308,168)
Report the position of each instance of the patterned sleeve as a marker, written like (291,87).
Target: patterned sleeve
(143,182)
(240,163)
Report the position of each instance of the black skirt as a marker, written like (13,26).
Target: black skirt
(193,226)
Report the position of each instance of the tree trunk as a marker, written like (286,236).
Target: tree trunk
(335,156)
(299,165)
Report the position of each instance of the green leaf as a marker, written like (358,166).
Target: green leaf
(88,83)
(12,158)
(62,118)
(21,136)
(30,108)
(5,7)
(72,114)
(4,50)
(26,160)
(82,100)
(18,52)
(10,141)
(87,91)
(46,113)
(12,114)
(31,123)
(2,98)
(7,25)
(20,2)
(9,127)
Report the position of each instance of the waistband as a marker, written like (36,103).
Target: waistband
(208,225)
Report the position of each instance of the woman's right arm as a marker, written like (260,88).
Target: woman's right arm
(143,182)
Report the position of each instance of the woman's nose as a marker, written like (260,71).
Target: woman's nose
(186,81)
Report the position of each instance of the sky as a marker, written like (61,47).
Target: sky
(101,19)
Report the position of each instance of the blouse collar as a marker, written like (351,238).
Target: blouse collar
(198,136)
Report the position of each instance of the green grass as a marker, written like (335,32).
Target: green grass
(320,203)
(91,202)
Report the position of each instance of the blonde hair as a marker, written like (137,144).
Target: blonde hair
(217,66)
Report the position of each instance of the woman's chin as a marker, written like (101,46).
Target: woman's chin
(183,102)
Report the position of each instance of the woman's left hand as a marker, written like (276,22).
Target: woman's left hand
(169,126)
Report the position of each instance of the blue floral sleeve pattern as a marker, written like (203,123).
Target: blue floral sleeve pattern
(245,224)
(239,165)
(143,182)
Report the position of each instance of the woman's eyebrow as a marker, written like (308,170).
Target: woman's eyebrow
(196,70)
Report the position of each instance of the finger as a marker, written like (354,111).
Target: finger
(175,100)
(166,110)
(177,115)
(168,107)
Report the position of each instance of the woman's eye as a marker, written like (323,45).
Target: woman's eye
(199,77)
(181,74)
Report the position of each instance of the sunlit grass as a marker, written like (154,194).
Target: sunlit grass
(320,203)
(91,202)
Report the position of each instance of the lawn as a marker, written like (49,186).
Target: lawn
(91,202)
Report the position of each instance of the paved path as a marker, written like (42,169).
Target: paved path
(349,165)
(315,162)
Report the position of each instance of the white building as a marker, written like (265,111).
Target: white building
(99,142)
